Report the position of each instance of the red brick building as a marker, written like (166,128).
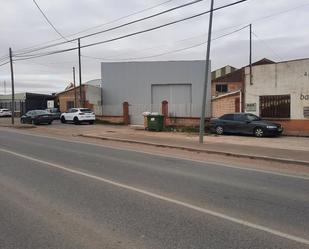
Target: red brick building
(228,91)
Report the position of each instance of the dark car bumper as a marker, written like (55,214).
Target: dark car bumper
(273,132)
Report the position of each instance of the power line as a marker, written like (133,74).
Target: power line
(253,21)
(267,46)
(172,51)
(104,24)
(143,19)
(4,63)
(49,22)
(131,34)
(124,17)
(120,26)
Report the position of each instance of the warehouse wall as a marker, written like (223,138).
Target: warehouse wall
(132,82)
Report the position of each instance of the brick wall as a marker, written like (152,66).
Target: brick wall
(294,127)
(232,87)
(111,119)
(224,105)
(64,97)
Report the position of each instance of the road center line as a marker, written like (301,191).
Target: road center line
(164,198)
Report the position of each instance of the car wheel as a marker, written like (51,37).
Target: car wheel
(219,130)
(258,132)
(76,121)
(50,122)
(34,122)
(22,121)
(91,122)
(62,119)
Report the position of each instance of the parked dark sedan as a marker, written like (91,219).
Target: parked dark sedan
(37,117)
(55,112)
(244,123)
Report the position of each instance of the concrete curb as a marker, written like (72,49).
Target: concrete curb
(265,158)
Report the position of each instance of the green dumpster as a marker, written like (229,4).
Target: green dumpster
(155,122)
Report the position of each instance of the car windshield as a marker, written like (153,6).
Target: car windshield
(252,117)
(52,110)
(85,110)
(41,112)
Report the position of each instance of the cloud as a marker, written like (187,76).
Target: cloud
(280,37)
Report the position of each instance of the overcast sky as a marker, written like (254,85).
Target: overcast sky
(280,25)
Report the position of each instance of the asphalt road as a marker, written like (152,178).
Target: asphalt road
(58,194)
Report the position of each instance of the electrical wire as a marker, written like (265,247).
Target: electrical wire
(253,21)
(131,34)
(267,46)
(97,26)
(4,63)
(119,26)
(49,22)
(172,51)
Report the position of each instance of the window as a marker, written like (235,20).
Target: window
(306,111)
(240,117)
(275,106)
(221,88)
(72,110)
(252,117)
(86,110)
(227,117)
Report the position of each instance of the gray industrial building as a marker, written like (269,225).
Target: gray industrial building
(25,101)
(144,85)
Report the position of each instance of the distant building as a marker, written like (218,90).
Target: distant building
(95,82)
(26,101)
(228,91)
(280,92)
(222,71)
(91,96)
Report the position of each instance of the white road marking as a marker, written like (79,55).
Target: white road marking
(164,198)
(206,163)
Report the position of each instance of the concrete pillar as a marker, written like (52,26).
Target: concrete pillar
(125,107)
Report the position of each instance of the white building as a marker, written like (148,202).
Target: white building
(280,91)
(144,85)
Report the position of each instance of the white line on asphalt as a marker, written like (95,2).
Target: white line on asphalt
(207,163)
(164,198)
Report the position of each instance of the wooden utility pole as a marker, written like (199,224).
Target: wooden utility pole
(250,53)
(81,101)
(74,84)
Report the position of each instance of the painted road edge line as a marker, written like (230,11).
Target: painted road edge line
(164,198)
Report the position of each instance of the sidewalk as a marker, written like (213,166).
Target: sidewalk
(280,149)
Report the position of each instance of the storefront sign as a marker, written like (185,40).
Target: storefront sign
(251,107)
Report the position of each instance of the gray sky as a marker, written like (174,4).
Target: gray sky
(280,37)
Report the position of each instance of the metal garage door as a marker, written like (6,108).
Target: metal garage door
(179,97)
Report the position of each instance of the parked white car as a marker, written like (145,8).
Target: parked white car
(78,115)
(5,113)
